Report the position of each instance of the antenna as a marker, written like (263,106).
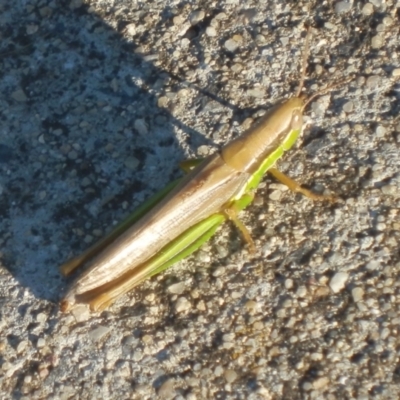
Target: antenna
(327,89)
(306,53)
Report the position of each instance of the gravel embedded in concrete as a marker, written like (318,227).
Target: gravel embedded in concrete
(100,102)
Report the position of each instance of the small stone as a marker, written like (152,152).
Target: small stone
(230,375)
(338,281)
(301,291)
(377,3)
(368,9)
(388,21)
(182,304)
(373,81)
(377,42)
(357,294)
(320,382)
(137,355)
(332,27)
(72,155)
(131,163)
(162,102)
(251,306)
(372,265)
(43,371)
(40,343)
(22,346)
(147,339)
(86,181)
(396,73)
(41,317)
(218,370)
(288,283)
(348,107)
(211,31)
(177,288)
(166,390)
(380,131)
(81,313)
(307,386)
(74,4)
(196,17)
(28,379)
(342,7)
(257,93)
(99,332)
(19,95)
(390,190)
(31,29)
(218,272)
(177,20)
(249,15)
(231,45)
(130,29)
(275,195)
(141,126)
(284,40)
(45,12)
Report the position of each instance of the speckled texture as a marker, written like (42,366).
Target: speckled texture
(101,100)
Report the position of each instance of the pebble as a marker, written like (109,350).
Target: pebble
(162,102)
(196,17)
(40,343)
(342,7)
(257,93)
(373,81)
(81,313)
(338,281)
(387,21)
(219,272)
(301,291)
(275,195)
(288,283)
(141,126)
(380,131)
(373,265)
(182,304)
(390,190)
(19,95)
(368,9)
(218,370)
(320,382)
(230,375)
(166,390)
(231,45)
(251,306)
(99,332)
(348,107)
(22,346)
(396,73)
(377,3)
(131,163)
(130,29)
(211,31)
(41,317)
(377,42)
(357,294)
(43,372)
(177,288)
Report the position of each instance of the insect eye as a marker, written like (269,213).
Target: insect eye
(297,120)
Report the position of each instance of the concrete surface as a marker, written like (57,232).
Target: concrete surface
(99,102)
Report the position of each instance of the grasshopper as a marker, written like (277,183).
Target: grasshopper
(178,220)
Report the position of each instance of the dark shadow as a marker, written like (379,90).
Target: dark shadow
(88,139)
